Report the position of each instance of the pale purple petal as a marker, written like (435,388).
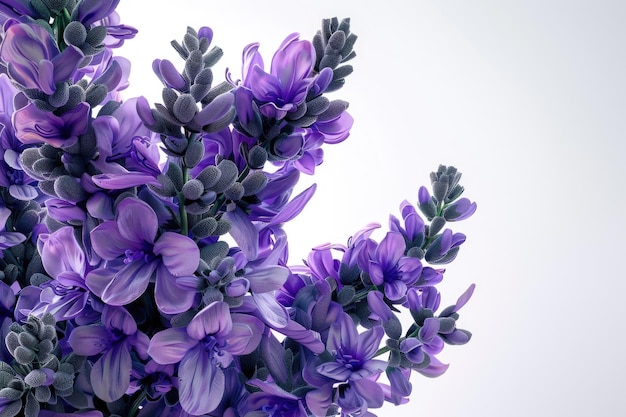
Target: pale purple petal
(179,254)
(129,283)
(271,310)
(137,221)
(244,232)
(110,375)
(125,180)
(89,340)
(61,253)
(169,297)
(245,335)
(169,346)
(214,319)
(108,242)
(197,372)
(267,278)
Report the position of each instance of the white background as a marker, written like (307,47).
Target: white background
(528,100)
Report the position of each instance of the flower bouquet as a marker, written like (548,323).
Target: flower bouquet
(144,268)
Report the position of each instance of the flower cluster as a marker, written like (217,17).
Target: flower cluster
(120,293)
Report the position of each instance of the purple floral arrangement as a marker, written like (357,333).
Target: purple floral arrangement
(144,268)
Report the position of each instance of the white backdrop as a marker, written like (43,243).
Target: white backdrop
(527,99)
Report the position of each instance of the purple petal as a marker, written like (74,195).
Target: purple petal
(370,391)
(119,318)
(294,207)
(61,253)
(429,330)
(214,319)
(390,250)
(169,74)
(109,243)
(464,298)
(169,297)
(89,340)
(271,310)
(334,370)
(197,372)
(215,110)
(136,221)
(244,232)
(245,335)
(65,64)
(267,278)
(23,192)
(179,254)
(169,346)
(395,290)
(126,180)
(368,342)
(110,375)
(129,283)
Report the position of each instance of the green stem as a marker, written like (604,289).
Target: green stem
(137,403)
(184,222)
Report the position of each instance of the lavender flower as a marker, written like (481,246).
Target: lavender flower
(388,267)
(212,337)
(33,59)
(113,340)
(285,87)
(135,253)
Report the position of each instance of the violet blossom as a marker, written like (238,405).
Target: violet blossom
(206,345)
(135,253)
(33,59)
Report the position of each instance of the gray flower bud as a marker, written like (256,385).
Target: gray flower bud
(193,189)
(68,188)
(185,108)
(257,156)
(75,34)
(223,227)
(254,183)
(204,228)
(194,153)
(229,173)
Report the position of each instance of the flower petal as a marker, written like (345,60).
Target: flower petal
(169,346)
(110,375)
(171,298)
(197,372)
(180,254)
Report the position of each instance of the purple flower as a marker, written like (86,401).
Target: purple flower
(113,340)
(459,210)
(33,125)
(444,248)
(388,266)
(33,58)
(136,254)
(66,295)
(212,337)
(353,352)
(286,86)
(413,230)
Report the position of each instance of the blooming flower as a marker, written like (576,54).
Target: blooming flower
(206,345)
(33,125)
(33,59)
(285,86)
(131,242)
(388,266)
(113,340)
